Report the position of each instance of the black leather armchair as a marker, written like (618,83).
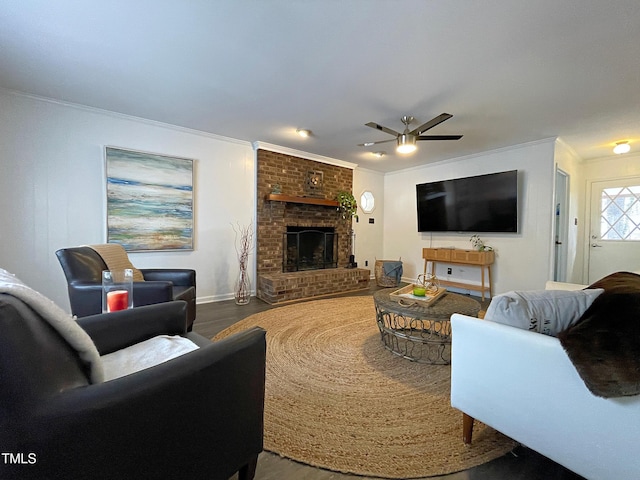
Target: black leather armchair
(83,268)
(198,416)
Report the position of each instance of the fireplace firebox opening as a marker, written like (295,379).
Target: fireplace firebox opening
(309,248)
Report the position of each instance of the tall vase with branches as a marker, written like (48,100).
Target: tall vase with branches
(243,244)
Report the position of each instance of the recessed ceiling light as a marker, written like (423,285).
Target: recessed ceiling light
(379,154)
(622,147)
(303,132)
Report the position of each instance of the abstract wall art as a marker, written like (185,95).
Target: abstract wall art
(149,200)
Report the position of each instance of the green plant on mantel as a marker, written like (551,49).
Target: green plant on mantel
(348,207)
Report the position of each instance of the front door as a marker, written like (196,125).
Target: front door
(614,238)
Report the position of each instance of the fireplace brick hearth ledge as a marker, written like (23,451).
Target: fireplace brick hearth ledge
(288,287)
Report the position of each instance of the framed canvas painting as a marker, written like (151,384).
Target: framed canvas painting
(149,200)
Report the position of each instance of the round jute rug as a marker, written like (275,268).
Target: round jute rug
(337,399)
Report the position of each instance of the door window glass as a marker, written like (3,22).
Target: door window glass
(620,213)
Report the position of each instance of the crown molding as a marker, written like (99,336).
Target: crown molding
(368,170)
(121,116)
(298,153)
(560,142)
(548,140)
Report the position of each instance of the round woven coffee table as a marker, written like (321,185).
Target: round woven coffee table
(418,332)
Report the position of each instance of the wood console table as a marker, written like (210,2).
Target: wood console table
(457,256)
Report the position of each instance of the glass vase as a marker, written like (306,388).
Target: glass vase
(243,287)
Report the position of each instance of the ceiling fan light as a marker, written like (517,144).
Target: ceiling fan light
(406,148)
(406,144)
(621,147)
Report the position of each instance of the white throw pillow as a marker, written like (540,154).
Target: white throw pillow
(543,311)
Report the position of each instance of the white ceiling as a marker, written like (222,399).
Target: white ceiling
(510,71)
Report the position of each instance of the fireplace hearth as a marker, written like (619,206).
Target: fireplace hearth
(309,248)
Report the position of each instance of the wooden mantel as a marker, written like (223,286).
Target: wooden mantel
(279,197)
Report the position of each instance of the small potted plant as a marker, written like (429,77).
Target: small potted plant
(348,206)
(478,244)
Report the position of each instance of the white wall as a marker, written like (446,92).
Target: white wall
(613,167)
(53,195)
(52,189)
(522,259)
(369,236)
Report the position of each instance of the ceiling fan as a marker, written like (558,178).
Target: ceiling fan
(407,139)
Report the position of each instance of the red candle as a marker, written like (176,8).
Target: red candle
(117,300)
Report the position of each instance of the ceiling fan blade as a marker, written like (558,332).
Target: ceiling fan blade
(368,144)
(439,137)
(383,129)
(431,123)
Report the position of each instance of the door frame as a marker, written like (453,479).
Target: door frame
(560,225)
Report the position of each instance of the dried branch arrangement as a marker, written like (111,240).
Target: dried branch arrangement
(244,245)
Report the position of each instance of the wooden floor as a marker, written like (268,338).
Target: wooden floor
(521,464)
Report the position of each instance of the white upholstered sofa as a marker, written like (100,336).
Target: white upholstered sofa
(524,385)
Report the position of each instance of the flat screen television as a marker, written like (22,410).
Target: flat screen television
(484,203)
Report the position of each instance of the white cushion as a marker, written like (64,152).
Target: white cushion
(145,354)
(542,311)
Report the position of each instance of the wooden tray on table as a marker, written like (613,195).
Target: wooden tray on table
(405,296)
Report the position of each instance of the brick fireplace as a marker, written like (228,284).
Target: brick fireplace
(301,203)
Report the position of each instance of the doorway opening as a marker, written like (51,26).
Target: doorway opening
(561,226)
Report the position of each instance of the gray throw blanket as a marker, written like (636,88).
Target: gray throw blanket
(393,269)
(62,322)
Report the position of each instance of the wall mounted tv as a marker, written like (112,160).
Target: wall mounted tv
(484,203)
